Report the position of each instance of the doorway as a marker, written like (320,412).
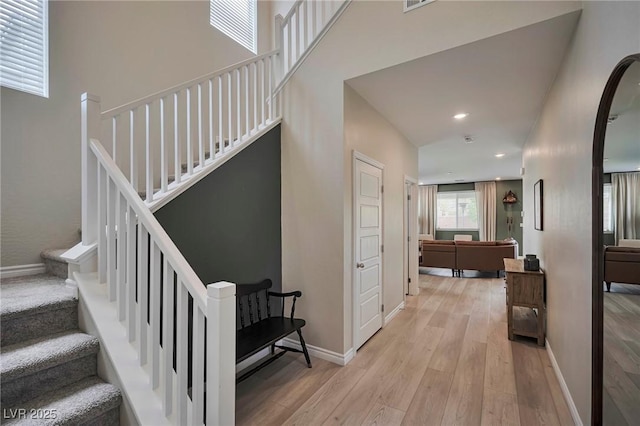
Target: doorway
(411,246)
(367,248)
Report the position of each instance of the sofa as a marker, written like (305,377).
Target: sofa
(439,254)
(621,265)
(461,255)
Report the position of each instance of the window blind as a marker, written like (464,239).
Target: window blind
(24,46)
(236,19)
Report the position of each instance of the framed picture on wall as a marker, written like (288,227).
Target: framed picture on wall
(537,205)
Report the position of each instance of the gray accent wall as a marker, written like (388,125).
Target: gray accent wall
(228,225)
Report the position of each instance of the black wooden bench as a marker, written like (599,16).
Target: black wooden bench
(263,330)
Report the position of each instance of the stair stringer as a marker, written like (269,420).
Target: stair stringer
(199,173)
(117,360)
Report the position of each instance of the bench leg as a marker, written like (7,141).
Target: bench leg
(304,349)
(273,349)
(609,286)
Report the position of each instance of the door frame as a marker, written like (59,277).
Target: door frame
(410,236)
(358,156)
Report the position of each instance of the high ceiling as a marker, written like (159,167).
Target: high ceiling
(501,82)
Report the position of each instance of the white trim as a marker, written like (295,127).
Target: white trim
(563,385)
(415,6)
(360,156)
(322,353)
(410,213)
(22,270)
(354,291)
(145,403)
(393,313)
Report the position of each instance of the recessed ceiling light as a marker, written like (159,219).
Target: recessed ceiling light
(449,173)
(638,168)
(606,159)
(498,178)
(460,116)
(499,155)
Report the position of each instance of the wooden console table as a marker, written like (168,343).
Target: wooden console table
(524,289)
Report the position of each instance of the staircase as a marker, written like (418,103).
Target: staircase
(171,337)
(48,367)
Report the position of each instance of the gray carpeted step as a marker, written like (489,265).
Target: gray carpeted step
(35,306)
(89,401)
(54,263)
(40,365)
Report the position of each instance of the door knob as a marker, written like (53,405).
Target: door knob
(360,265)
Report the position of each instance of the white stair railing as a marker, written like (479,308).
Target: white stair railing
(151,285)
(301,30)
(164,140)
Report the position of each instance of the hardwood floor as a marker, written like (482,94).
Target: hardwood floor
(445,359)
(622,355)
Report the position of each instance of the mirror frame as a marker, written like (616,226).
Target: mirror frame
(597,261)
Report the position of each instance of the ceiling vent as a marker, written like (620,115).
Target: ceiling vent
(468,139)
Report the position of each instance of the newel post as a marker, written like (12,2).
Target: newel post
(90,128)
(279,35)
(221,353)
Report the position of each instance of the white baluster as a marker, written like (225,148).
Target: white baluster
(262,94)
(177,162)
(167,336)
(143,299)
(246,100)
(164,158)
(111,239)
(314,19)
(133,158)
(182,312)
(270,79)
(189,143)
(229,111)
(114,144)
(221,358)
(102,224)
(304,37)
(220,110)
(148,153)
(197,380)
(211,144)
(154,303)
(298,31)
(238,109)
(131,273)
(200,140)
(289,49)
(255,96)
(121,253)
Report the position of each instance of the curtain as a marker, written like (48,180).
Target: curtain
(625,192)
(486,202)
(427,195)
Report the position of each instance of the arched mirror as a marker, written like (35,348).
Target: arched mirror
(616,251)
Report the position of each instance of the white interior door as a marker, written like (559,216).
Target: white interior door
(412,239)
(368,254)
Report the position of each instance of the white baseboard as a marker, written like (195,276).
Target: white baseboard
(563,385)
(327,355)
(393,313)
(22,270)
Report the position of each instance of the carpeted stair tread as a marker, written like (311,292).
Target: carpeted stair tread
(32,356)
(34,294)
(75,404)
(54,254)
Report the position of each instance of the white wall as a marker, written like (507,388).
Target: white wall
(559,151)
(316,221)
(369,133)
(119,51)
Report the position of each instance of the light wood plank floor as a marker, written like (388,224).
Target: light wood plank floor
(622,355)
(445,360)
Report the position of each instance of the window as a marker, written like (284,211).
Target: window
(236,19)
(24,41)
(607,208)
(457,210)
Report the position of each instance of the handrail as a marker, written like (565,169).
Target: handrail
(165,243)
(292,11)
(139,102)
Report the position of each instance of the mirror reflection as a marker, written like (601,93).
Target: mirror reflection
(621,197)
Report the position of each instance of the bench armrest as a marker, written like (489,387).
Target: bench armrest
(294,294)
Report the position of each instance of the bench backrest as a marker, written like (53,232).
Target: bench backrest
(253,302)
